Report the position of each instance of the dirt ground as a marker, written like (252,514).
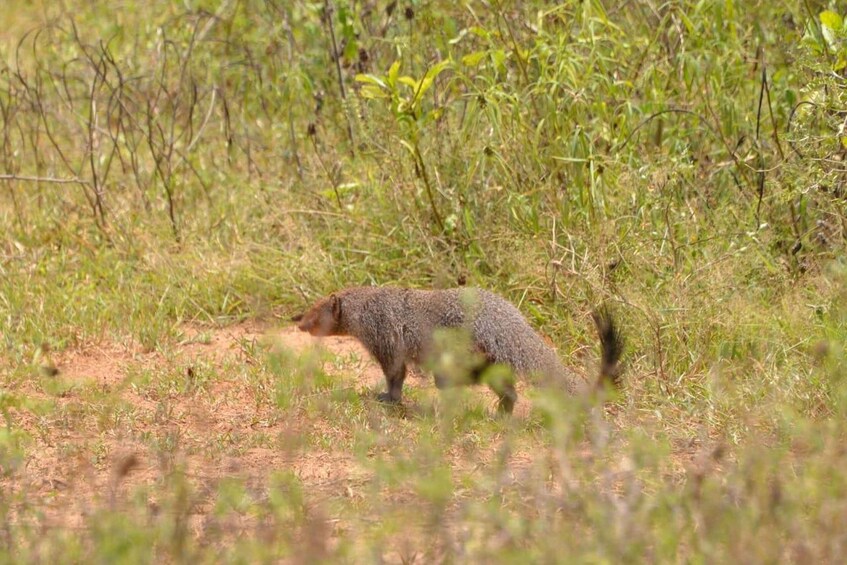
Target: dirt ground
(109,430)
(93,445)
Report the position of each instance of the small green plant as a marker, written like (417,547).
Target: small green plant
(405,96)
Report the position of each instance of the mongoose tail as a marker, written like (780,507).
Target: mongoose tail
(611,348)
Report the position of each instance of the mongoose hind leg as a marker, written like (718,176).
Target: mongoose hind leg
(503,387)
(508,397)
(474,377)
(394,377)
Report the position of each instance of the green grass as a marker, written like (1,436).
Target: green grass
(681,161)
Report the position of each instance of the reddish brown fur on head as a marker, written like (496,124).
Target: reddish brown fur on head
(321,319)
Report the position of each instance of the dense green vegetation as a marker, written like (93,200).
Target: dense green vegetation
(208,162)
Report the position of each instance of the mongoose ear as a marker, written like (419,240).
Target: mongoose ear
(297,317)
(335,303)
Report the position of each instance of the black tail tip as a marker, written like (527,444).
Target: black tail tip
(611,346)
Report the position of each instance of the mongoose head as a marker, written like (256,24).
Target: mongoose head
(324,318)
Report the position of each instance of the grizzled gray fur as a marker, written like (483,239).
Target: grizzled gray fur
(397,325)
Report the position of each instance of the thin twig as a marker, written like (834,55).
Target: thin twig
(791,119)
(773,121)
(328,12)
(205,121)
(425,177)
(655,115)
(213,20)
(29,178)
(292,48)
(761,157)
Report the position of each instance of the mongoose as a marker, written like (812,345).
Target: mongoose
(397,325)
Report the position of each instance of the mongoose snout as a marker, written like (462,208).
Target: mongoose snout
(398,326)
(322,318)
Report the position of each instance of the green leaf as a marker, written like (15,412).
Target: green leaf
(689,26)
(473,59)
(393,72)
(831,20)
(499,56)
(351,49)
(373,92)
(439,68)
(409,147)
(480,32)
(429,78)
(410,82)
(425,85)
(371,79)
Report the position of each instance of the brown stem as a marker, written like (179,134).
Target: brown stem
(425,177)
(328,12)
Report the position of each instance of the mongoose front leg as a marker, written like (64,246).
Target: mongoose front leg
(394,377)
